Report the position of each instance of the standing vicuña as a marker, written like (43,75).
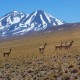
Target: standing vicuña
(59,46)
(68,44)
(7,53)
(41,49)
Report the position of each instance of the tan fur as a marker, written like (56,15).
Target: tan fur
(7,53)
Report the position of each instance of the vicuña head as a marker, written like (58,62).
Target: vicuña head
(72,41)
(10,49)
(45,44)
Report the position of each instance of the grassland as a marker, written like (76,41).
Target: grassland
(26,63)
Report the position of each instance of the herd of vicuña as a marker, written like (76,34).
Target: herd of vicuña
(65,45)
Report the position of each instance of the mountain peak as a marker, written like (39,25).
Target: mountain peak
(15,11)
(18,23)
(40,20)
(40,11)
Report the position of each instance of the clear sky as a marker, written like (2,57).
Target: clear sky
(66,10)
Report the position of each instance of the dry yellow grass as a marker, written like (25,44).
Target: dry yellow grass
(25,51)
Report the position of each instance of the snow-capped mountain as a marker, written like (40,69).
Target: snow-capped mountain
(17,23)
(8,22)
(38,20)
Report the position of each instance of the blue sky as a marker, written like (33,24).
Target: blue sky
(66,10)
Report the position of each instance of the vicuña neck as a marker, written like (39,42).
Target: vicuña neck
(44,46)
(10,51)
(71,43)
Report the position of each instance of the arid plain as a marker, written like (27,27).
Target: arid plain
(25,61)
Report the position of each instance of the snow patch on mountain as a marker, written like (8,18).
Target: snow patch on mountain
(43,22)
(48,17)
(31,18)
